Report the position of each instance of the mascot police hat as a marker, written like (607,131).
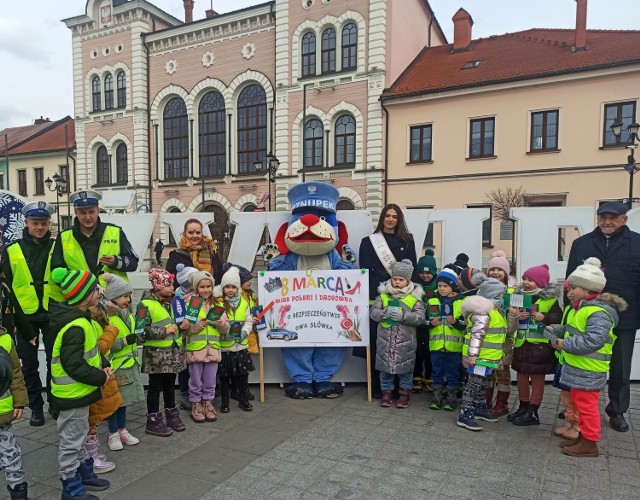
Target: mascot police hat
(313,195)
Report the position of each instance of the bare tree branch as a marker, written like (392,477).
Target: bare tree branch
(503,200)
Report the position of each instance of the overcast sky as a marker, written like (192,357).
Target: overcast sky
(35,47)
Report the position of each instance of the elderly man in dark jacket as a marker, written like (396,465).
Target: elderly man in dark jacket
(618,248)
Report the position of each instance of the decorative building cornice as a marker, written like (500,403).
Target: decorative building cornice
(120,22)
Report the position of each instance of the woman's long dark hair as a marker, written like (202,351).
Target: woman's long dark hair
(401,230)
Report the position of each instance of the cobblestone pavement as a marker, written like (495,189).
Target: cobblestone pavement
(349,448)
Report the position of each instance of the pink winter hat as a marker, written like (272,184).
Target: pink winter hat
(499,260)
(539,274)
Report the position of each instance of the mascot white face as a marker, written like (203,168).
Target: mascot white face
(310,235)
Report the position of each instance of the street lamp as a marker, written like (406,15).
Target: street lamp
(271,168)
(60,188)
(616,128)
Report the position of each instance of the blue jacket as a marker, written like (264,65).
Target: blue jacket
(620,257)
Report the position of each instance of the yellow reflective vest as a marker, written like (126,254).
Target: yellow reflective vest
(74,256)
(444,336)
(62,385)
(577,325)
(160,317)
(493,343)
(22,283)
(6,399)
(534,333)
(408,300)
(208,335)
(239,315)
(128,355)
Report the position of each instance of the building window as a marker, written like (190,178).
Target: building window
(345,140)
(313,142)
(121,84)
(544,131)
(625,112)
(420,144)
(122,167)
(95,93)
(212,131)
(102,167)
(345,204)
(350,46)
(506,230)
(482,136)
(22,182)
(252,128)
(328,50)
(63,171)
(172,240)
(39,178)
(66,221)
(486,225)
(176,140)
(309,54)
(108,91)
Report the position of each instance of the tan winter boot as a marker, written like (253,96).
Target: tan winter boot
(583,448)
(197,413)
(210,414)
(570,442)
(561,430)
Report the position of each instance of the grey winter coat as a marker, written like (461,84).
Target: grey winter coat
(598,326)
(396,345)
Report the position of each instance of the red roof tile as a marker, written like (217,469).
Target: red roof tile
(49,136)
(523,55)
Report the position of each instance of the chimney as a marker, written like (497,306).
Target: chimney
(211,13)
(462,23)
(41,120)
(188,11)
(581,25)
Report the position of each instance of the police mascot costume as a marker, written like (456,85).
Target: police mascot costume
(313,239)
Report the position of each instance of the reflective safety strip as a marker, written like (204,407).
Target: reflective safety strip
(163,322)
(66,380)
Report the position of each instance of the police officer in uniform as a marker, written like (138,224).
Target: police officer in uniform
(26,270)
(91,244)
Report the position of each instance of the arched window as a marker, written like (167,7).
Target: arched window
(309,54)
(211,128)
(345,204)
(172,240)
(350,46)
(122,168)
(328,50)
(95,93)
(103,168)
(252,128)
(176,140)
(313,135)
(345,140)
(108,91)
(121,85)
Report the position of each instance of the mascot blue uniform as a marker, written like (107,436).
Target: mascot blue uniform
(313,239)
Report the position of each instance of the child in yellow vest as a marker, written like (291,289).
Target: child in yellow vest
(236,361)
(12,404)
(203,351)
(125,361)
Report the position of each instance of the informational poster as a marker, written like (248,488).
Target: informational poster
(311,308)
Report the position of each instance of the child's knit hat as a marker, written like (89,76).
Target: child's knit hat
(182,274)
(448,277)
(116,286)
(160,278)
(402,269)
(499,260)
(491,288)
(197,277)
(76,285)
(539,274)
(427,264)
(245,274)
(588,276)
(231,277)
(470,277)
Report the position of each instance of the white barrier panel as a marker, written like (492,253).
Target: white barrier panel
(176,221)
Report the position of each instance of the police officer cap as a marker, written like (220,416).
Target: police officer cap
(84,199)
(613,207)
(38,210)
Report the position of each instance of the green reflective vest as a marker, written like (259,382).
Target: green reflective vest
(240,315)
(160,317)
(444,336)
(493,343)
(406,303)
(208,335)
(62,385)
(577,325)
(128,355)
(22,283)
(534,333)
(6,399)
(74,256)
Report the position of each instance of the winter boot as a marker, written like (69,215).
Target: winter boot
(427,384)
(450,402)
(115,443)
(197,413)
(529,418)
(185,404)
(72,489)
(417,385)
(98,464)
(562,429)
(19,491)
(155,425)
(404,398)
(437,399)
(572,431)
(387,399)
(468,423)
(565,443)
(224,404)
(173,419)
(244,403)
(488,397)
(483,413)
(127,438)
(90,481)
(37,418)
(210,414)
(501,407)
(524,408)
(583,448)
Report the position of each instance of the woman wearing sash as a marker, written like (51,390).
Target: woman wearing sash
(391,242)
